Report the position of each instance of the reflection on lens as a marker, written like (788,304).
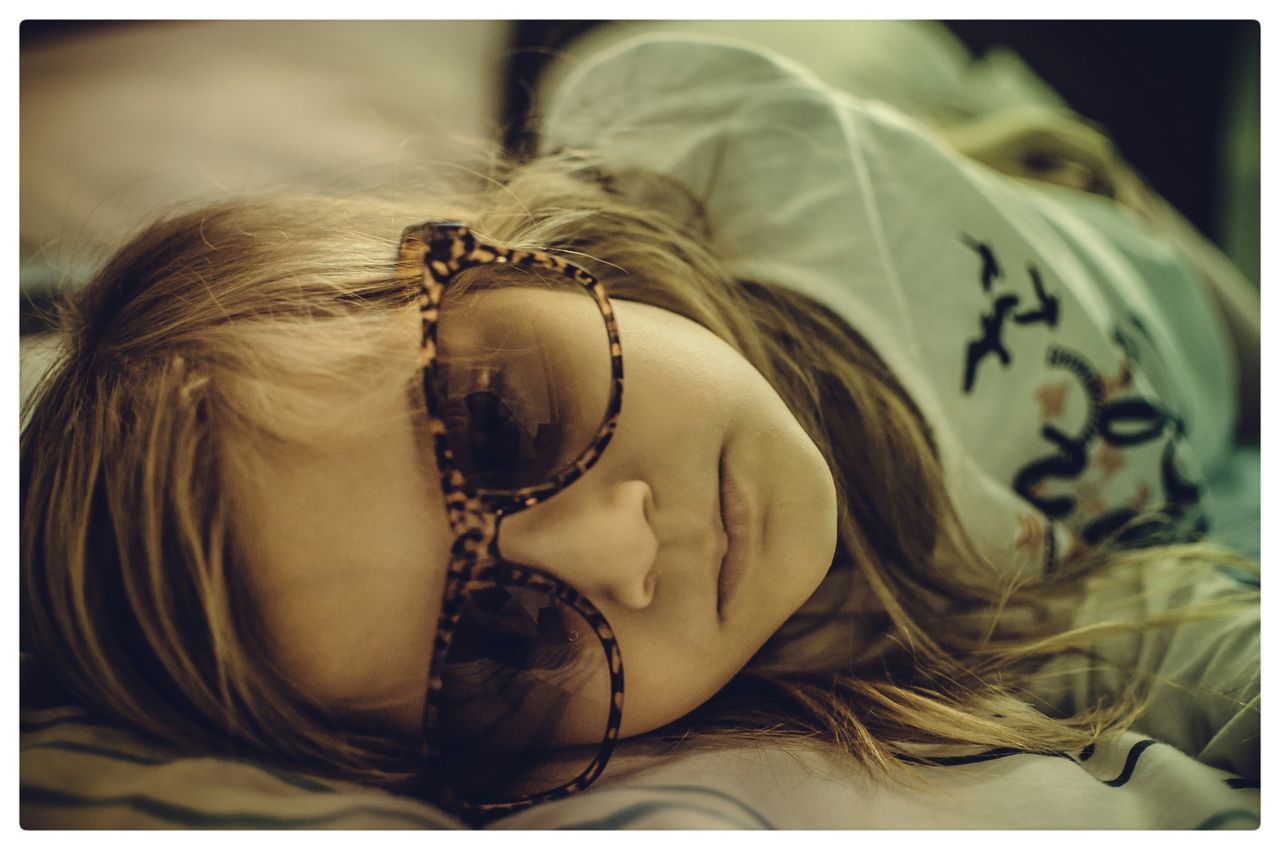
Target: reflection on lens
(523,372)
(526,695)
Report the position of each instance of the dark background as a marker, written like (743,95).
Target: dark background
(1159,87)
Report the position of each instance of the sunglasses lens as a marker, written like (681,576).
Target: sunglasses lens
(522,372)
(525,698)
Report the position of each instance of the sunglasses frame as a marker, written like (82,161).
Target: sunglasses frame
(435,253)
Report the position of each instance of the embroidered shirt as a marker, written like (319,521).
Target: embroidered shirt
(1072,368)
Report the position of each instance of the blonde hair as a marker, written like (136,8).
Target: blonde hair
(280,320)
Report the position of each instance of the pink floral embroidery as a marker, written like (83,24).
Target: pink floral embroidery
(1109,460)
(1052,399)
(1111,386)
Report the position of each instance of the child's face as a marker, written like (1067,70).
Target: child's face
(347,548)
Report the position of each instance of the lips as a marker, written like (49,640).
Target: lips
(735,518)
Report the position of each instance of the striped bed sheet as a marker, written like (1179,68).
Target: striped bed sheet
(77,773)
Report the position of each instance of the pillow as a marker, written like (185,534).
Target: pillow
(118,122)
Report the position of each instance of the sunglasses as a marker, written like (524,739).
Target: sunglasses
(522,379)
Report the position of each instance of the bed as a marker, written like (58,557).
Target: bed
(120,121)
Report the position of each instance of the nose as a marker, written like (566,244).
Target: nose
(597,539)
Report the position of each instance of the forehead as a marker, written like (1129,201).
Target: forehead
(344,548)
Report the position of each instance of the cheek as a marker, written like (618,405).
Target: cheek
(664,683)
(684,390)
(665,353)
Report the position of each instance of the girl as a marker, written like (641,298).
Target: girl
(753,391)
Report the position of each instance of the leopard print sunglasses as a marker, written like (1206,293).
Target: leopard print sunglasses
(521,705)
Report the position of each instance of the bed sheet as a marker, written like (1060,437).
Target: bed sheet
(79,774)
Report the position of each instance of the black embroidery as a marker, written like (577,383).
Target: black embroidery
(991,342)
(1119,422)
(1050,561)
(990,265)
(1131,422)
(1069,462)
(1072,456)
(1107,524)
(1048,312)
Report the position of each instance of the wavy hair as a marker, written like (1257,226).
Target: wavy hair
(217,329)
